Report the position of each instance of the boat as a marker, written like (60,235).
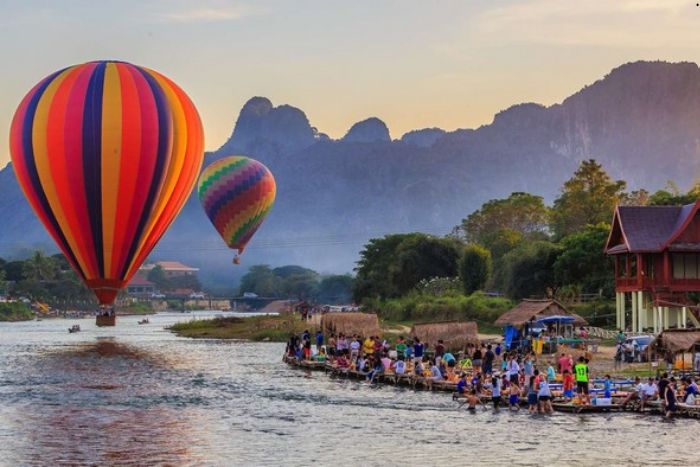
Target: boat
(144,321)
(74,328)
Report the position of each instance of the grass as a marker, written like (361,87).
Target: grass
(15,311)
(254,328)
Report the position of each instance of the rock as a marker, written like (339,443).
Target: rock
(371,130)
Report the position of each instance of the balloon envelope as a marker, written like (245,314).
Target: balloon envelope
(236,193)
(106,153)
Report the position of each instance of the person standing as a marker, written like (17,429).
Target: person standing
(489,358)
(439,351)
(418,349)
(670,398)
(581,371)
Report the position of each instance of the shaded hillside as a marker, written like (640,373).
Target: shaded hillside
(641,121)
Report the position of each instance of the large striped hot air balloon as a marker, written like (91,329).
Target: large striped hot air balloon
(236,193)
(106,153)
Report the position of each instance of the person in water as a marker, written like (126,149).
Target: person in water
(472,400)
(496,386)
(670,398)
(514,398)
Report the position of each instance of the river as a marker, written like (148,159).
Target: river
(138,395)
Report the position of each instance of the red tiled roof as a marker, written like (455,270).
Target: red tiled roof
(140,280)
(648,228)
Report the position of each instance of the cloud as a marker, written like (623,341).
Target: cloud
(623,23)
(208,14)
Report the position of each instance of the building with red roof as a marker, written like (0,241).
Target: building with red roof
(656,251)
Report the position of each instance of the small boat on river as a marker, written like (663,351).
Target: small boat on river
(73,329)
(144,321)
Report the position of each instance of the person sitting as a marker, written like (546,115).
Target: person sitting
(399,366)
(650,392)
(435,375)
(635,394)
(462,385)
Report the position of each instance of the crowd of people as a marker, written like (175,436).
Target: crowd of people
(478,372)
(665,389)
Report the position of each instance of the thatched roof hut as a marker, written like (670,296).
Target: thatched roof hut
(532,310)
(675,341)
(455,334)
(364,324)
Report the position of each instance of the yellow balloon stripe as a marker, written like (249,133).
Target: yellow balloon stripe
(43,166)
(111,161)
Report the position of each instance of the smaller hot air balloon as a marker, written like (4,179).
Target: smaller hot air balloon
(236,193)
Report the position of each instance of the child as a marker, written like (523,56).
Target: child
(607,386)
(399,366)
(532,393)
(472,400)
(514,399)
(551,374)
(568,385)
(496,391)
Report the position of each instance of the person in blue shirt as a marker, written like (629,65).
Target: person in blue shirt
(462,385)
(319,339)
(449,359)
(607,387)
(417,349)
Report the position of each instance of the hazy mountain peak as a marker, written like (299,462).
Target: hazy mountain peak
(370,130)
(280,129)
(424,137)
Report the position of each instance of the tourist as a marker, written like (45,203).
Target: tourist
(607,387)
(321,355)
(532,393)
(341,343)
(462,385)
(399,366)
(636,394)
(377,369)
(650,392)
(670,398)
(418,349)
(620,338)
(332,345)
(386,362)
(551,374)
(378,345)
(342,362)
(564,364)
(307,349)
(489,357)
(568,385)
(498,350)
(472,400)
(691,391)
(368,346)
(661,385)
(435,374)
(528,368)
(354,348)
(419,368)
(400,347)
(319,339)
(544,397)
(439,351)
(514,398)
(360,364)
(476,359)
(696,359)
(513,369)
(581,370)
(496,385)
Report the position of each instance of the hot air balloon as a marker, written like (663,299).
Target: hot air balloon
(236,193)
(106,153)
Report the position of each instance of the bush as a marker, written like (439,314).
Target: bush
(15,311)
(474,268)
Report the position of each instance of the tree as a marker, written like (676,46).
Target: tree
(14,271)
(583,262)
(423,257)
(261,280)
(187,281)
(373,268)
(335,289)
(40,267)
(589,197)
(157,276)
(529,269)
(474,268)
(521,214)
(671,195)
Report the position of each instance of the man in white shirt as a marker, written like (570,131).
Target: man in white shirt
(649,392)
(513,370)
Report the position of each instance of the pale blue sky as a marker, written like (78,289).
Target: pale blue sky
(414,64)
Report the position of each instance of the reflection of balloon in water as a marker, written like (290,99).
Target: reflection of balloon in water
(236,193)
(107,154)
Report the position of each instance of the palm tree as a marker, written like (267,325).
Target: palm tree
(40,267)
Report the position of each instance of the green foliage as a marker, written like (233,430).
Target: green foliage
(14,271)
(294,282)
(501,223)
(440,286)
(422,257)
(335,290)
(374,267)
(599,313)
(425,308)
(40,267)
(157,277)
(584,262)
(589,197)
(671,195)
(474,268)
(15,311)
(529,269)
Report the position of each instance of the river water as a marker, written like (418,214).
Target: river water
(138,395)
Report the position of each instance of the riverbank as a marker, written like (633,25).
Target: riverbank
(15,311)
(275,328)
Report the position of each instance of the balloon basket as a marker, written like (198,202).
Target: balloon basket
(102,321)
(236,259)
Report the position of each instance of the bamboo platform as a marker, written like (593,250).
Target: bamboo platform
(558,404)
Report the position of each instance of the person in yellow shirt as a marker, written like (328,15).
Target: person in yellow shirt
(368,346)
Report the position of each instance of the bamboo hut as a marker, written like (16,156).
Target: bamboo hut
(454,334)
(364,324)
(529,311)
(676,341)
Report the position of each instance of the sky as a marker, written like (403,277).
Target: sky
(414,64)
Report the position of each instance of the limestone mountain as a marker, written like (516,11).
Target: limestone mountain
(642,121)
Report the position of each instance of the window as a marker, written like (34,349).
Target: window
(691,266)
(649,266)
(633,265)
(621,266)
(685,265)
